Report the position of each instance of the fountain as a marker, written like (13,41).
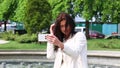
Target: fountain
(37,59)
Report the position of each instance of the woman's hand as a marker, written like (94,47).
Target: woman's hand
(51,28)
(54,40)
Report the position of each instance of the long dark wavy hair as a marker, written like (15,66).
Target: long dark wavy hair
(57,31)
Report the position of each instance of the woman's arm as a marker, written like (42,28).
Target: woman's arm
(72,48)
(50,51)
(50,46)
(79,43)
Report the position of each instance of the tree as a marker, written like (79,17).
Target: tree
(102,10)
(111,11)
(20,11)
(0,1)
(36,14)
(7,8)
(61,6)
(73,7)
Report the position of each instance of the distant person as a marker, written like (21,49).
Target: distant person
(68,48)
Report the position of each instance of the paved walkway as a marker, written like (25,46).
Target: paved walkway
(3,41)
(104,53)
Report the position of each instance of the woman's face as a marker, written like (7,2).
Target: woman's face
(65,30)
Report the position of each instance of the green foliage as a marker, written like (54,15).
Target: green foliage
(1,1)
(36,14)
(102,10)
(8,35)
(103,44)
(7,8)
(112,43)
(61,6)
(20,11)
(26,38)
(93,44)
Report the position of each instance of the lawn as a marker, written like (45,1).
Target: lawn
(13,45)
(93,44)
(104,44)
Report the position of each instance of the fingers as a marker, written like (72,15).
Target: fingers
(52,39)
(49,38)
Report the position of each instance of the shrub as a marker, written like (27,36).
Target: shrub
(33,38)
(26,38)
(103,45)
(111,43)
(8,35)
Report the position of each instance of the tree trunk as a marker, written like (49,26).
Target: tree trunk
(5,27)
(87,29)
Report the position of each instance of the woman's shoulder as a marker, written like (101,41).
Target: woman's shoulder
(79,33)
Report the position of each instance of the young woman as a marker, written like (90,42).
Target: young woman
(68,48)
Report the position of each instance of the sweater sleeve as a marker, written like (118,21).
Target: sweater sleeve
(50,51)
(74,47)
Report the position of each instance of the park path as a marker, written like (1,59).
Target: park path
(3,41)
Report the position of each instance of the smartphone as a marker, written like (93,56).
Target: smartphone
(41,37)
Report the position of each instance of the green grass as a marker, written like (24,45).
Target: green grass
(13,45)
(104,44)
(93,44)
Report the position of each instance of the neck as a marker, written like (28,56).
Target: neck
(67,36)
